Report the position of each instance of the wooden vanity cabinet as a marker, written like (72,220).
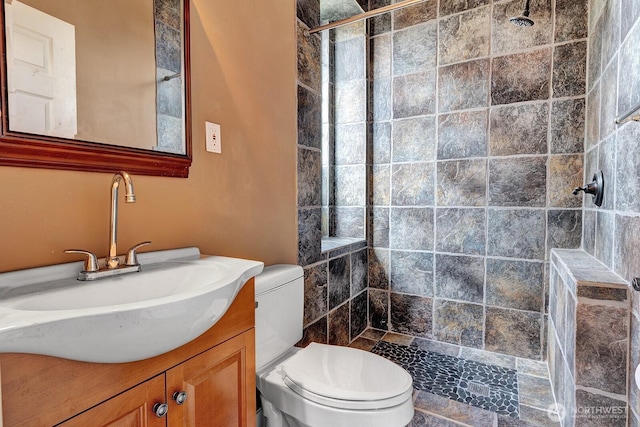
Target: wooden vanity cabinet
(216,370)
(132,408)
(216,386)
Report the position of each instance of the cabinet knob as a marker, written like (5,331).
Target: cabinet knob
(180,397)
(160,409)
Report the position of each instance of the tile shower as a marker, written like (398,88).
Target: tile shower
(475,139)
(469,177)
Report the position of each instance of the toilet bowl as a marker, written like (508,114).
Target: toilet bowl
(320,385)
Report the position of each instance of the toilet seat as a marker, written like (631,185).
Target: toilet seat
(347,378)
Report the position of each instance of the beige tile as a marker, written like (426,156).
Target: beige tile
(373,334)
(363,344)
(535,368)
(506,421)
(535,391)
(455,411)
(539,417)
(488,357)
(397,338)
(422,419)
(436,346)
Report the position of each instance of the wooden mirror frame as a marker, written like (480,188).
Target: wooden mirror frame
(37,151)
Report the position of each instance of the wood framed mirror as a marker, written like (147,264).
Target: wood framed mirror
(125,85)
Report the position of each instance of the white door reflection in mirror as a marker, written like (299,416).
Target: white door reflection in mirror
(41,62)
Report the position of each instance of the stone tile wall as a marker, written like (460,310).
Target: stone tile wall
(335,307)
(335,295)
(613,86)
(589,320)
(477,131)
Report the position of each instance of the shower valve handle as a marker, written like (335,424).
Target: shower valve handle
(595,188)
(589,189)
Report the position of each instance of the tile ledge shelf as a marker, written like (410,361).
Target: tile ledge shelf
(589,315)
(349,243)
(580,269)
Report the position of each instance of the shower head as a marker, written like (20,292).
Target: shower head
(522,20)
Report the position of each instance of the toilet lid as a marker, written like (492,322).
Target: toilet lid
(359,379)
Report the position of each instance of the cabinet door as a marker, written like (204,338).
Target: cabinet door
(220,386)
(133,408)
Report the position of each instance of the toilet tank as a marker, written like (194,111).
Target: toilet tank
(279,311)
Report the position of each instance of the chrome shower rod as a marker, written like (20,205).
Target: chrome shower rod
(365,15)
(629,115)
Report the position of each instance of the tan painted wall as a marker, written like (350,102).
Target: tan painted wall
(126,86)
(240,203)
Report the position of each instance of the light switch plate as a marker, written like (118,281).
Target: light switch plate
(212,133)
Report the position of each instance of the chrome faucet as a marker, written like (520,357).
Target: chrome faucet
(111,264)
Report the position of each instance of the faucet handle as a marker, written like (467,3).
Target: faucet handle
(132,256)
(90,262)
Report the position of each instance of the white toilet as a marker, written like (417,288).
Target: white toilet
(320,385)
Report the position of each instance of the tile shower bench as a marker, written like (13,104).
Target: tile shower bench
(588,342)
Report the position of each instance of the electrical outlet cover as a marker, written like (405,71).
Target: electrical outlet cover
(212,134)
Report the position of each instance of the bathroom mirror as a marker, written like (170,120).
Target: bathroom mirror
(96,85)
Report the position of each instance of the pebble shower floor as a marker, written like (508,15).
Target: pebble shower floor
(485,386)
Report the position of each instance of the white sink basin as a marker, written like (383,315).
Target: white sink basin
(175,298)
